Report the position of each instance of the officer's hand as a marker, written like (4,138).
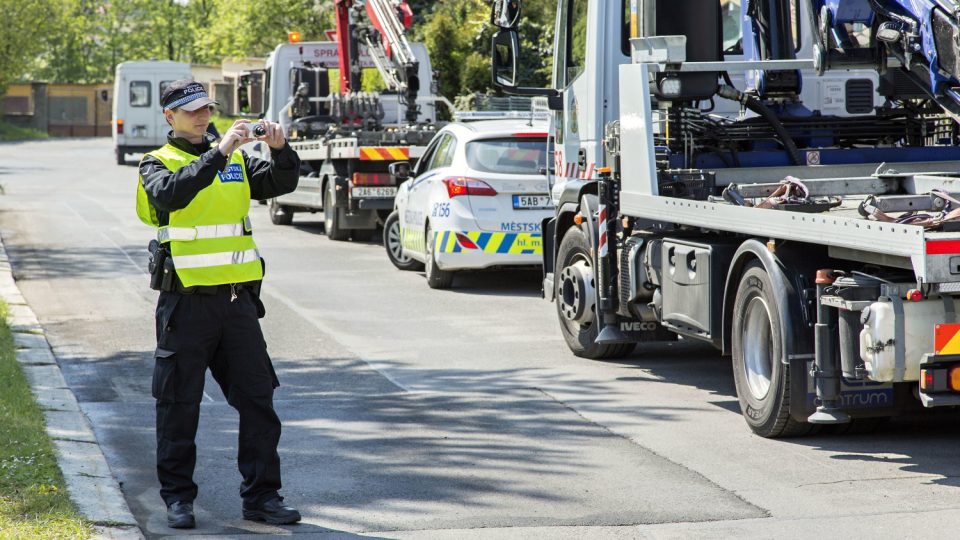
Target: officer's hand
(235,137)
(274,137)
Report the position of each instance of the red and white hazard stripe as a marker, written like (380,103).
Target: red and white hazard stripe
(602,229)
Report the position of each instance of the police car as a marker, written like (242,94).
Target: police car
(476,199)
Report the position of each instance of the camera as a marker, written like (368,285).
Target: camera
(255,129)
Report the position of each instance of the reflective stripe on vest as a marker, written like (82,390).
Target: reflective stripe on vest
(209,238)
(217,259)
(185,234)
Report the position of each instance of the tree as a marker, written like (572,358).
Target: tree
(458,36)
(23,22)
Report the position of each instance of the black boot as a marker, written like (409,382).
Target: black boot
(272,511)
(180,515)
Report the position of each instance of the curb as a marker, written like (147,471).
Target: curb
(90,483)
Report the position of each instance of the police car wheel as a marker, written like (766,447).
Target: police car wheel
(121,155)
(436,278)
(279,214)
(392,243)
(577,320)
(761,378)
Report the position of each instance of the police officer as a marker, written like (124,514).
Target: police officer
(208,269)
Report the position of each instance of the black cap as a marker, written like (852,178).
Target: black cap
(185,94)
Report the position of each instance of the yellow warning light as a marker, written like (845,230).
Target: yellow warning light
(294,37)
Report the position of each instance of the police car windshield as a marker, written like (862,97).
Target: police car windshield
(508,155)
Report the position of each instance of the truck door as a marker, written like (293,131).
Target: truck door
(569,67)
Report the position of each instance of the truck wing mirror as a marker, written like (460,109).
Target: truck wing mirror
(505,14)
(505,47)
(399,170)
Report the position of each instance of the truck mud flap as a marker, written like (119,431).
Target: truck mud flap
(645,331)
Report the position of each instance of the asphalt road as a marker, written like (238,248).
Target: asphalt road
(417,413)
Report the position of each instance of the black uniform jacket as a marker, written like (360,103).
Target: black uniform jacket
(169,191)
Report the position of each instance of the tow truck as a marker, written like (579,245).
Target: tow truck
(347,141)
(780,183)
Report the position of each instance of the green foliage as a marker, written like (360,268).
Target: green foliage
(10,132)
(33,500)
(458,36)
(18,43)
(241,28)
(83,40)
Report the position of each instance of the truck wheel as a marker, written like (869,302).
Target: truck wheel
(121,155)
(577,299)
(761,378)
(436,278)
(330,221)
(394,247)
(280,214)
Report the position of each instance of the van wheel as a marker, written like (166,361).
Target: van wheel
(280,214)
(436,278)
(331,222)
(121,155)
(761,378)
(576,300)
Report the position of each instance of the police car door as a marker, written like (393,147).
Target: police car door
(412,216)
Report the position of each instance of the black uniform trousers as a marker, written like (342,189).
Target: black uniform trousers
(200,331)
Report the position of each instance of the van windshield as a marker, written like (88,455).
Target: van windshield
(508,155)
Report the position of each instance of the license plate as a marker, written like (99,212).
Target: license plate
(381,192)
(532,202)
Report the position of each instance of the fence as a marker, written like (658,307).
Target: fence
(61,110)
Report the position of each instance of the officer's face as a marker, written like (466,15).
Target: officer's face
(190,124)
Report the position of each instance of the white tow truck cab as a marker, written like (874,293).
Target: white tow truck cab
(138,122)
(718,187)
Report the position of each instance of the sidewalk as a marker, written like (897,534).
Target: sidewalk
(91,484)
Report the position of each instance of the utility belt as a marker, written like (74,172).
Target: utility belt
(163,275)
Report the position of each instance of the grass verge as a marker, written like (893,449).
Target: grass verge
(33,497)
(10,132)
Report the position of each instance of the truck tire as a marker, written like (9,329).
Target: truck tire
(391,242)
(761,378)
(436,278)
(280,214)
(581,334)
(330,221)
(121,155)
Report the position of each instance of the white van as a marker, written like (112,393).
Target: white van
(138,122)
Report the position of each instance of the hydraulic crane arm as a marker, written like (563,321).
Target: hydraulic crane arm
(384,36)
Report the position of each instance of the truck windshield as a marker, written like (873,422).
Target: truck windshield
(508,156)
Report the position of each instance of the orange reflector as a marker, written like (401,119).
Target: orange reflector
(578,219)
(294,37)
(604,170)
(954,380)
(946,339)
(384,153)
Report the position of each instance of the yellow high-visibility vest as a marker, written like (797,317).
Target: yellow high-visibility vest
(211,240)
